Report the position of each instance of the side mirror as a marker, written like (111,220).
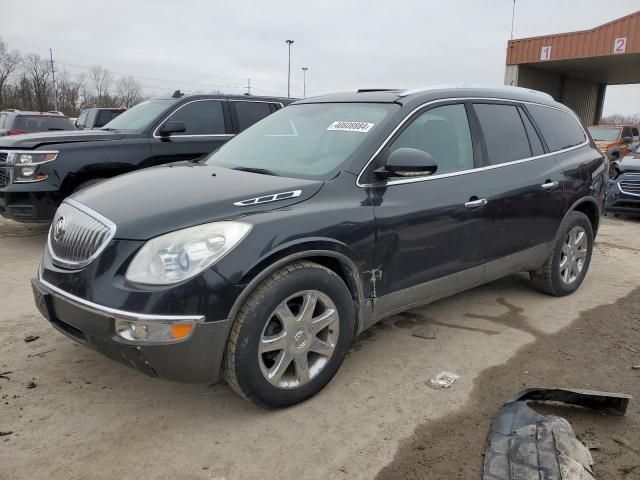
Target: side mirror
(79,126)
(171,127)
(627,140)
(408,162)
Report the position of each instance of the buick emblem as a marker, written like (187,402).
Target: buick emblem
(58,229)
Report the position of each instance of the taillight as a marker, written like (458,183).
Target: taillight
(16,132)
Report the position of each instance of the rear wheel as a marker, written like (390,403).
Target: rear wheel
(291,336)
(567,265)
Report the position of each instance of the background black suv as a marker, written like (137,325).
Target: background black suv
(16,122)
(38,171)
(97,117)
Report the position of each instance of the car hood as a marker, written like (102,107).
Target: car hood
(40,139)
(630,163)
(150,202)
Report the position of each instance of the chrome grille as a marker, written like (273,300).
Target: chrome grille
(78,235)
(630,183)
(4,169)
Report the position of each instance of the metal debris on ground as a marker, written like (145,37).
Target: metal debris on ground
(41,353)
(424,332)
(635,367)
(31,385)
(31,338)
(443,380)
(525,445)
(3,434)
(5,375)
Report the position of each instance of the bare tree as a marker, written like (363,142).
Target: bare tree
(70,92)
(101,79)
(9,61)
(618,119)
(38,72)
(129,92)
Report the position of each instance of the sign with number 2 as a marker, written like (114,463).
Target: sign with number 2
(620,45)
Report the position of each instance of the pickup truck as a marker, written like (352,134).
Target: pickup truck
(96,117)
(37,171)
(615,141)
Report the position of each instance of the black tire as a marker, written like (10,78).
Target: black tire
(548,278)
(241,363)
(88,183)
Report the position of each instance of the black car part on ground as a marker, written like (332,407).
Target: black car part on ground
(525,445)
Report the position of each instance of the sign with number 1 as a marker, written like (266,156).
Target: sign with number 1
(545,53)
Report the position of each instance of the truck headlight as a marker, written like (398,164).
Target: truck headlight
(180,255)
(26,165)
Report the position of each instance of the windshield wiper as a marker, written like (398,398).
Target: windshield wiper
(110,129)
(262,171)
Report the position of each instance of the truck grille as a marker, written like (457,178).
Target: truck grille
(4,169)
(78,235)
(630,183)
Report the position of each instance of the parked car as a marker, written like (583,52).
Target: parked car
(623,195)
(96,117)
(38,171)
(262,262)
(16,122)
(615,141)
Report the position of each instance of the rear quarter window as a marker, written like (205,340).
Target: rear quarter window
(560,129)
(42,123)
(504,133)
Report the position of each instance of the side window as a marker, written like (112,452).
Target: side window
(3,118)
(81,121)
(534,139)
(204,117)
(559,128)
(249,113)
(635,134)
(503,132)
(443,132)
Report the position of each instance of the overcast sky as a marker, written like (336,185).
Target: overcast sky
(205,45)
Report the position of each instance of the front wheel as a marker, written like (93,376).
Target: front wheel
(290,336)
(567,265)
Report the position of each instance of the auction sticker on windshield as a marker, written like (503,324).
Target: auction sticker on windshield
(363,127)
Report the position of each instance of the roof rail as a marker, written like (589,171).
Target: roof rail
(10,110)
(56,112)
(367,90)
(505,88)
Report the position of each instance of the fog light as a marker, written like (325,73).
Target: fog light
(153,331)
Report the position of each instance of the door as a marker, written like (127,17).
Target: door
(207,126)
(519,181)
(428,229)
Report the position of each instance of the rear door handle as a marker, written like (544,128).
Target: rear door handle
(548,186)
(480,202)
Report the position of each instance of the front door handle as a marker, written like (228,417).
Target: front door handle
(480,202)
(548,186)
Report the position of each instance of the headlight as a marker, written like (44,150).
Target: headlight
(180,255)
(26,165)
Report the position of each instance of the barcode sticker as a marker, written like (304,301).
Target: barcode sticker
(363,127)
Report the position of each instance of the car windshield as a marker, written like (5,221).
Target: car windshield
(304,141)
(140,117)
(604,134)
(42,123)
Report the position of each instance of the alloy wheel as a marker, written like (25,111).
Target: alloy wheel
(298,339)
(574,254)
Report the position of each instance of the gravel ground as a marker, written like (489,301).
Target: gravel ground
(74,414)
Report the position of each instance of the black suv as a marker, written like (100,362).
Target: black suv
(16,122)
(262,262)
(96,117)
(38,171)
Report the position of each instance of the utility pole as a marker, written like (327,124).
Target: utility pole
(249,86)
(289,42)
(513,16)
(55,90)
(304,81)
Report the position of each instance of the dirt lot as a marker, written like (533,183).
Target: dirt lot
(87,417)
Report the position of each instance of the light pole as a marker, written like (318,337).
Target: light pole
(289,42)
(304,81)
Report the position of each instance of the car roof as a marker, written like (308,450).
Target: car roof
(227,97)
(435,92)
(20,113)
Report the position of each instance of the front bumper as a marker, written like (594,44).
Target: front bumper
(197,359)
(23,206)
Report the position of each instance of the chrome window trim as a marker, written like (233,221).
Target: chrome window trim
(115,313)
(97,216)
(463,172)
(228,135)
